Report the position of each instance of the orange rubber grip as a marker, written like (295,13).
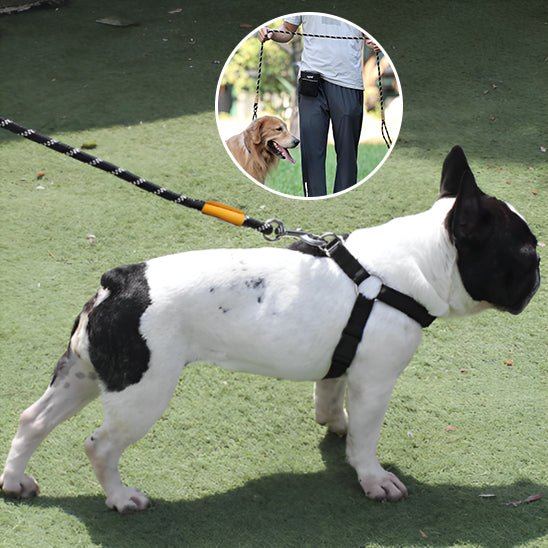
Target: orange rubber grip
(224,212)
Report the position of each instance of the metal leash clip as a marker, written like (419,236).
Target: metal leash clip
(279,231)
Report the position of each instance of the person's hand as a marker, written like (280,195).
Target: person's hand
(370,44)
(264,34)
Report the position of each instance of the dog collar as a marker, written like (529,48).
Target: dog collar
(346,348)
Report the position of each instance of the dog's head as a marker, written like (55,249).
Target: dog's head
(496,250)
(272,133)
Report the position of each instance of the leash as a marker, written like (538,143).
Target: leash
(272,229)
(258,86)
(384,128)
(215,209)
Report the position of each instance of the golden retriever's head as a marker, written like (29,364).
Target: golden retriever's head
(271,134)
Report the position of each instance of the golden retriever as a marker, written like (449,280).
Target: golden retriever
(259,147)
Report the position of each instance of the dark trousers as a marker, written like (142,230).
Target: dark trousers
(344,106)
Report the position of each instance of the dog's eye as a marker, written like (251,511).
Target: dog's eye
(279,128)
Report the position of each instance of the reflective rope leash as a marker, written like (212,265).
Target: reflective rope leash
(384,129)
(209,207)
(272,229)
(258,86)
(360,37)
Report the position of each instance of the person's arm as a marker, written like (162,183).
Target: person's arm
(266,33)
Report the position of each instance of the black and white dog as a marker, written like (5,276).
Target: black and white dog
(279,312)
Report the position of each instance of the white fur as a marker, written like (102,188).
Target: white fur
(272,312)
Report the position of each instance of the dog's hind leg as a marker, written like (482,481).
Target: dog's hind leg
(129,414)
(73,386)
(329,400)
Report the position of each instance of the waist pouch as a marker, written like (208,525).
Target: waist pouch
(309,82)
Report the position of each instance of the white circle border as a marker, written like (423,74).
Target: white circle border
(264,186)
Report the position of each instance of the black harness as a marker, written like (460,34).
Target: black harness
(352,334)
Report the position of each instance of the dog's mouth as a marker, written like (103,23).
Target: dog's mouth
(279,151)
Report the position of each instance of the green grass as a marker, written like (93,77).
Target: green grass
(287,177)
(238,460)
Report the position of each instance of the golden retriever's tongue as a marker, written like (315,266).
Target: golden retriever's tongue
(285,154)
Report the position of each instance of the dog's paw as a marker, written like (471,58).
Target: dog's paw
(337,424)
(23,487)
(128,499)
(383,487)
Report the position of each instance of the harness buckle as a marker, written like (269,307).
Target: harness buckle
(333,244)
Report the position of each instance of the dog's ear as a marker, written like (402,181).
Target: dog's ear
(254,130)
(469,220)
(454,168)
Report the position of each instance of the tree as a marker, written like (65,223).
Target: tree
(279,67)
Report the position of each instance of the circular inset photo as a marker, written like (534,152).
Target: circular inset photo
(309,105)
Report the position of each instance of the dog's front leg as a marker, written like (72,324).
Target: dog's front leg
(371,380)
(367,404)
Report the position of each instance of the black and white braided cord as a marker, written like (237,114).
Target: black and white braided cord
(119,172)
(384,128)
(258,86)
(309,35)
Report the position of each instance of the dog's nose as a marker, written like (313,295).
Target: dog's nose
(295,142)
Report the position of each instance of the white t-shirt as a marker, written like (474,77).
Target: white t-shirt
(338,61)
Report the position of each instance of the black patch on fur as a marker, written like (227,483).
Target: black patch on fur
(224,310)
(255,283)
(117,349)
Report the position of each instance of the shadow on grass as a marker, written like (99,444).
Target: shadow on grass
(68,72)
(463,83)
(322,508)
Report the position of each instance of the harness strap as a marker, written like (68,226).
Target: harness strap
(405,304)
(352,334)
(346,261)
(350,338)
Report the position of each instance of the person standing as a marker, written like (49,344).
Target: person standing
(330,89)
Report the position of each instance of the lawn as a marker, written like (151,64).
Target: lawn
(287,177)
(238,460)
